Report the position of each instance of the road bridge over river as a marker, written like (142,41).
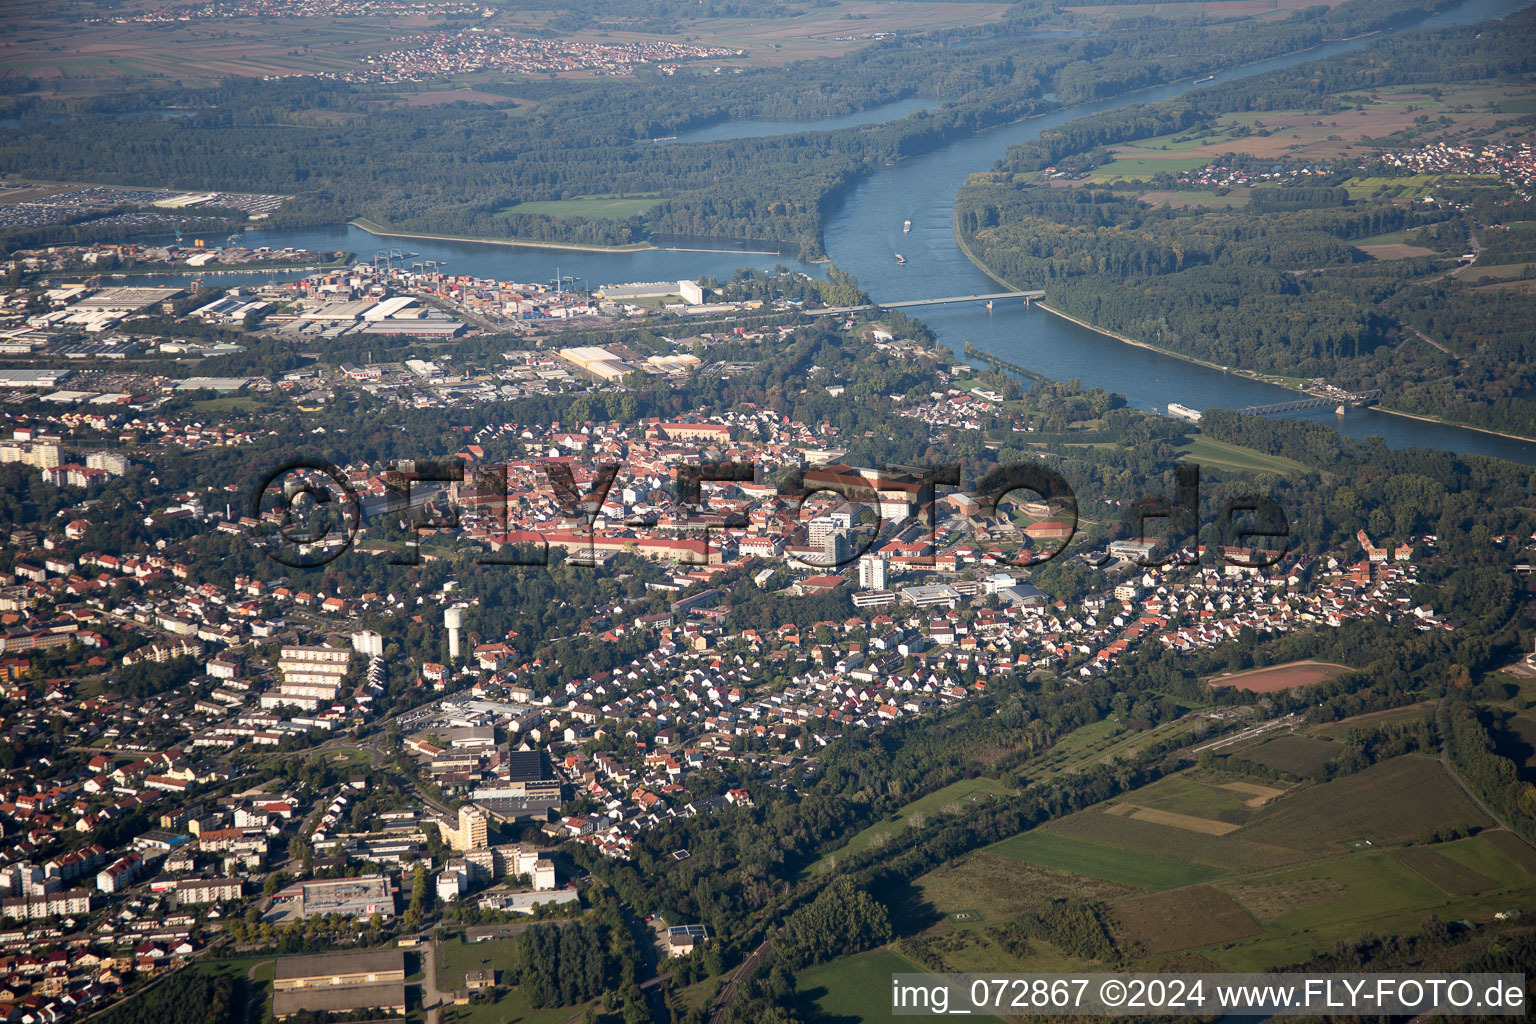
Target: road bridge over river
(909,303)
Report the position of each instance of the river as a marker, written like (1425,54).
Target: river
(864,232)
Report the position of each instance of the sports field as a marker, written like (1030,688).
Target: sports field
(1290,676)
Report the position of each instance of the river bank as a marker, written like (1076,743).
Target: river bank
(1454,423)
(378,229)
(1195,360)
(221,270)
(1124,339)
(369,226)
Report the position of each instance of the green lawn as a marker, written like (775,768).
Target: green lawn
(855,988)
(1100,860)
(455,956)
(612,206)
(1207,451)
(511,1008)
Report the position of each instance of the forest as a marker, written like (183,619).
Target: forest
(346,151)
(1277,284)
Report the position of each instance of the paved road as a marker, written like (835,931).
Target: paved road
(431,997)
(910,303)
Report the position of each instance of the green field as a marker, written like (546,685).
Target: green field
(1131,168)
(226,404)
(1310,867)
(1204,197)
(610,206)
(1449,876)
(1187,793)
(1484,855)
(1101,860)
(1357,894)
(1073,747)
(855,988)
(1140,839)
(1373,883)
(1099,742)
(1388,802)
(986,887)
(951,799)
(1397,716)
(1183,919)
(1295,754)
(1208,451)
(1412,186)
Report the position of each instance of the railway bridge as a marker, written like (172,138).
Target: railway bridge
(1356,398)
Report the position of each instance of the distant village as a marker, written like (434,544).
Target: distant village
(435,56)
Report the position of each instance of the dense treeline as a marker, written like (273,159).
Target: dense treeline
(1276,284)
(186,997)
(1495,778)
(563,965)
(348,150)
(840,921)
(1075,928)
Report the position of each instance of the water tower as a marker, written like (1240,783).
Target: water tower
(453,618)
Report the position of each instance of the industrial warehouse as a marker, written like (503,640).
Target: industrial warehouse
(339,983)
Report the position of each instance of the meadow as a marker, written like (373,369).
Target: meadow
(1291,753)
(1138,868)
(1139,839)
(1183,919)
(1389,802)
(617,207)
(1304,911)
(1207,451)
(853,989)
